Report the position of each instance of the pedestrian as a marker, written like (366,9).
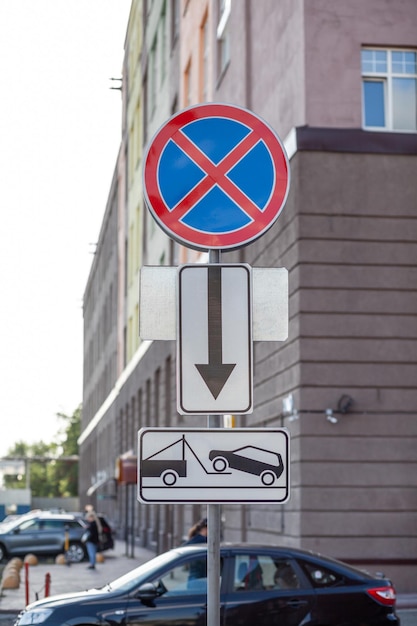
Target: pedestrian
(90,509)
(92,539)
(197,533)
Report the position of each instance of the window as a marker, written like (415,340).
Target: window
(389,89)
(175,21)
(30,526)
(188,578)
(153,72)
(53,524)
(187,85)
(204,53)
(254,572)
(322,577)
(223,34)
(163,45)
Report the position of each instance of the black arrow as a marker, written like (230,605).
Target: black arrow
(215,373)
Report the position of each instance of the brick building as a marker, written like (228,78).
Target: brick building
(337,81)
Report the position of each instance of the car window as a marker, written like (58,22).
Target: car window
(50,524)
(258,454)
(73,524)
(254,572)
(55,524)
(187,578)
(58,525)
(30,526)
(321,576)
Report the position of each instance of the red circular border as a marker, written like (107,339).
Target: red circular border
(186,235)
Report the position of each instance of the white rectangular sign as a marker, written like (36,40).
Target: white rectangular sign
(213,465)
(214,345)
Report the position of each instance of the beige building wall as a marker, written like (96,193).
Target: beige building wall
(196,58)
(121,261)
(134,129)
(159,108)
(196,69)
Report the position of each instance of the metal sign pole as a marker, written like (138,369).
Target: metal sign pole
(213,565)
(213,521)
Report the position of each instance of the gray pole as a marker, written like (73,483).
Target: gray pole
(213,521)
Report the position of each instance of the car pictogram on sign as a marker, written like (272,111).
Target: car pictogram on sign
(250,459)
(216,176)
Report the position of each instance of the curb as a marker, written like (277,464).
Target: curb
(406,601)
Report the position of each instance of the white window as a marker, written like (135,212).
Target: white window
(389,89)
(175,21)
(153,73)
(204,60)
(187,85)
(163,45)
(223,34)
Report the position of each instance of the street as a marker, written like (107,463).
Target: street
(408,617)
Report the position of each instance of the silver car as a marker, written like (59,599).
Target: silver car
(43,534)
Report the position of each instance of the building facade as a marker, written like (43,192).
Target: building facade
(338,84)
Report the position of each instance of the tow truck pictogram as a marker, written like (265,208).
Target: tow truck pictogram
(170,469)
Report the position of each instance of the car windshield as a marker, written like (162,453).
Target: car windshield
(257,454)
(6,526)
(140,574)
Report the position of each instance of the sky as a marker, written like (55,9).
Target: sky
(60,131)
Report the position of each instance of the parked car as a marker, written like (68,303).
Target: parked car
(106,541)
(260,585)
(9,518)
(43,533)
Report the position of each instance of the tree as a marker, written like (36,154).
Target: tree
(67,473)
(52,473)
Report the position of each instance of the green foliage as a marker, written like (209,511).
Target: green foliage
(52,474)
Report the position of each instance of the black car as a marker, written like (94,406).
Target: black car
(260,586)
(106,541)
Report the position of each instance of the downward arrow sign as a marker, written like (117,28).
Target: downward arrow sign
(215,373)
(214,347)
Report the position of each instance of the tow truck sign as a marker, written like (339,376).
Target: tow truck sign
(213,465)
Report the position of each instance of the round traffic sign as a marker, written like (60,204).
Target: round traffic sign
(215,176)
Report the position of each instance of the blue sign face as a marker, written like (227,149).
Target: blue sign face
(215,177)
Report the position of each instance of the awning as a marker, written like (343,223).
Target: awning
(100,483)
(126,469)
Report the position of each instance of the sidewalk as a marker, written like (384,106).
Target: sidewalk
(67,578)
(407,601)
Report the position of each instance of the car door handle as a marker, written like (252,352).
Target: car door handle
(295,603)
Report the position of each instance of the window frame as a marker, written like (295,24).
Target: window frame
(271,575)
(223,36)
(184,590)
(387,78)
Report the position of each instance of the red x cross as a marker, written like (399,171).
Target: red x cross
(215,174)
